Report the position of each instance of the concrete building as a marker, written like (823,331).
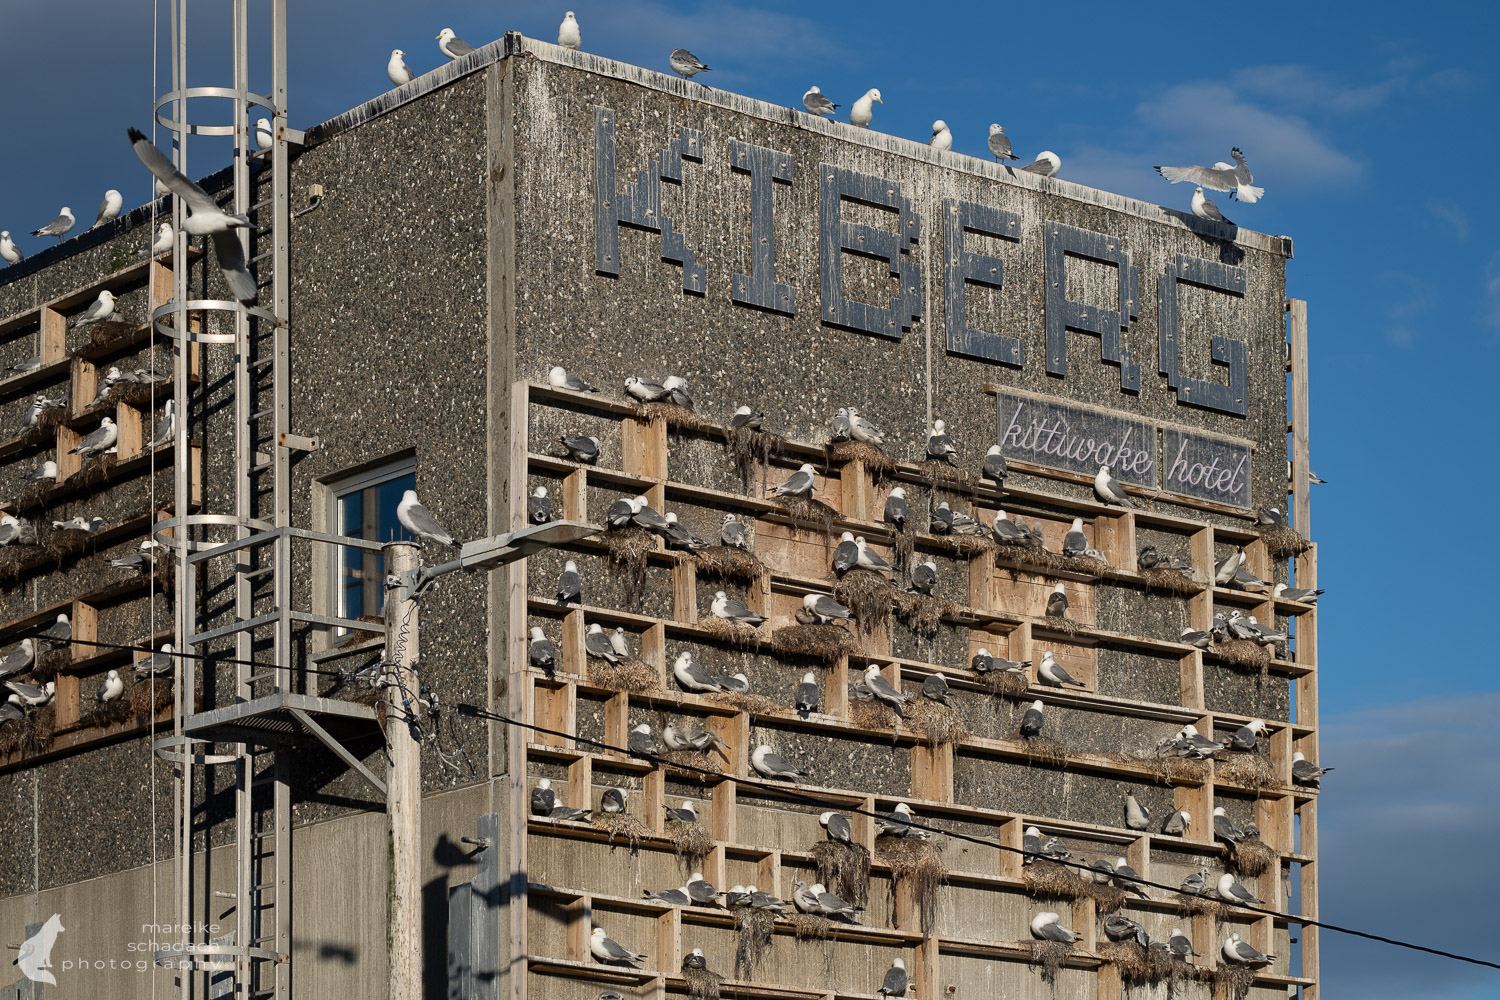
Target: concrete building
(526,207)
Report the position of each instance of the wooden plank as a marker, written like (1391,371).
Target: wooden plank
(654,792)
(725,820)
(574,499)
(854,480)
(128,444)
(84,384)
(54,336)
(1301,411)
(685,588)
(1192,680)
(581,783)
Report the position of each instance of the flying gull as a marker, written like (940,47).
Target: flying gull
(1047,163)
(166,427)
(602,947)
(1052,673)
(59,226)
(418,520)
(994,464)
(799,484)
(693,677)
(1031,722)
(771,764)
(1122,928)
(397,70)
(1137,816)
(206,218)
(746,417)
(451,45)
(1057,602)
(8,249)
(1232,892)
(863,111)
(863,431)
(895,508)
(111,688)
(109,208)
(685,64)
(825,610)
(837,827)
(97,441)
(816,104)
(939,445)
(1000,144)
(597,644)
(568,35)
(728,608)
(1204,208)
(580,448)
(1305,772)
(569,583)
(1075,542)
(99,310)
(732,533)
(935,688)
(541,653)
(942,138)
(1046,927)
(1221,176)
(1302,595)
(1242,953)
(1110,491)
(895,983)
(612,802)
(641,743)
(883,691)
(807,696)
(1177,823)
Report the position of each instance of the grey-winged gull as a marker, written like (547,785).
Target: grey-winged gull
(1075,542)
(539,506)
(845,554)
(692,676)
(1045,926)
(1204,208)
(1122,928)
(1224,828)
(798,484)
(732,533)
(695,959)
(1232,892)
(97,441)
(935,688)
(732,610)
(612,802)
(896,982)
(400,74)
(895,508)
(807,698)
(999,144)
(1053,674)
(580,447)
(1177,824)
(995,465)
(8,250)
(1137,816)
(685,813)
(1057,602)
(1305,772)
(1033,720)
(942,136)
(869,559)
(1047,164)
(641,742)
(569,583)
(559,378)
(1243,953)
(1128,879)
(451,45)
(863,431)
(685,64)
(596,644)
(568,35)
(109,208)
(58,227)
(1221,176)
(883,691)
(1302,595)
(541,653)
(1179,944)
(166,427)
(940,445)
(814,103)
(837,827)
(418,520)
(771,764)
(744,416)
(672,897)
(111,688)
(1110,491)
(923,576)
(607,950)
(102,308)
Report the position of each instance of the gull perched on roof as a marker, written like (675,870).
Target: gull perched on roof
(685,64)
(1000,144)
(397,70)
(942,137)
(1204,208)
(1235,177)
(814,103)
(109,208)
(1047,164)
(59,226)
(568,35)
(451,45)
(205,218)
(863,111)
(8,250)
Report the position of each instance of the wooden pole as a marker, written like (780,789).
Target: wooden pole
(403,781)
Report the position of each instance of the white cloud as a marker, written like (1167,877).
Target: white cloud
(1452,214)
(1296,86)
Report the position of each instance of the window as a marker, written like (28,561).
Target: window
(364,506)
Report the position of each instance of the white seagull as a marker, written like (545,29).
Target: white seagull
(602,947)
(59,226)
(451,45)
(1235,177)
(8,249)
(685,64)
(1108,490)
(814,103)
(1052,673)
(1000,144)
(942,138)
(164,238)
(419,520)
(109,208)
(568,35)
(1204,208)
(397,70)
(798,484)
(771,764)
(99,310)
(98,441)
(1047,164)
(1045,926)
(863,111)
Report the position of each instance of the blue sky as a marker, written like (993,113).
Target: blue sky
(1370,125)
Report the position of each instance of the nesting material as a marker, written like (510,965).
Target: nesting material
(58,546)
(702,984)
(49,663)
(692,764)
(629,548)
(627,675)
(752,939)
(728,563)
(1045,751)
(142,704)
(1167,769)
(1240,653)
(1283,541)
(823,642)
(1171,580)
(1059,623)
(810,926)
(1253,858)
(809,514)
(679,418)
(1201,905)
(111,332)
(937,723)
(96,471)
(921,612)
(30,735)
(693,844)
(724,630)
(1006,683)
(1248,769)
(918,865)
(1049,956)
(867,713)
(1027,557)
(844,869)
(745,701)
(1144,965)
(140,394)
(876,462)
(866,593)
(901,551)
(749,448)
(963,546)
(33,494)
(46,423)
(1085,565)
(1048,878)
(1231,982)
(623,827)
(112,713)
(942,475)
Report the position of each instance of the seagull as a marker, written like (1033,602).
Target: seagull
(737,684)
(10,529)
(1103,871)
(869,559)
(732,610)
(451,45)
(558,378)
(814,103)
(693,677)
(59,226)
(677,391)
(1220,177)
(568,35)
(612,802)
(604,948)
(685,64)
(1270,517)
(164,238)
(1246,580)
(1195,745)
(645,390)
(206,218)
(837,827)
(845,554)
(679,537)
(569,583)
(807,696)
(1224,572)
(923,576)
(1246,737)
(166,427)
(1232,892)
(701,892)
(771,764)
(1241,953)
(136,560)
(34,695)
(641,743)
(97,441)
(418,520)
(1204,208)
(1047,164)
(111,688)
(47,470)
(935,688)
(41,405)
(1129,879)
(672,897)
(541,653)
(79,523)
(1031,844)
(1110,491)
(841,429)
(1201,640)
(580,449)
(896,982)
(831,905)
(618,643)
(863,111)
(1052,674)
(1179,945)
(895,508)
(397,70)
(685,813)
(538,506)
(1000,144)
(942,138)
(732,533)
(1302,595)
(883,691)
(61,630)
(863,431)
(597,644)
(1046,927)
(1075,542)
(1177,823)
(1305,772)
(109,208)
(825,610)
(799,484)
(984,662)
(994,464)
(99,310)
(1121,928)
(1196,883)
(1137,816)
(158,664)
(1057,602)
(746,417)
(264,137)
(18,659)
(1031,722)
(695,960)
(643,515)
(1008,531)
(8,249)
(1224,828)
(940,445)
(1265,635)
(737,897)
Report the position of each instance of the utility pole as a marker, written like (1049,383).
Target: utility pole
(403,775)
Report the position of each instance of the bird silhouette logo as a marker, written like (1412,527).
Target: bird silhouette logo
(35,956)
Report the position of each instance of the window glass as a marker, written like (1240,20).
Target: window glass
(367,511)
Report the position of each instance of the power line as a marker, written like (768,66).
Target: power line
(474,711)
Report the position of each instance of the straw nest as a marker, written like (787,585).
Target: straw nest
(809,514)
(867,594)
(1248,769)
(111,332)
(823,642)
(1145,965)
(936,722)
(1061,623)
(810,926)
(1252,858)
(1048,878)
(33,494)
(728,563)
(629,548)
(692,843)
(95,472)
(49,662)
(678,418)
(690,764)
(941,475)
(702,984)
(143,703)
(876,462)
(744,701)
(1171,580)
(1049,956)
(1167,769)
(1045,751)
(30,735)
(112,713)
(748,448)
(46,424)
(902,548)
(1230,982)
(1200,905)
(1005,683)
(724,630)
(922,613)
(867,713)
(844,869)
(1240,653)
(1282,541)
(918,865)
(623,827)
(753,929)
(963,546)
(627,675)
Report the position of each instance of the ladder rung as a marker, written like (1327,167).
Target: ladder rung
(258,414)
(259,467)
(263,362)
(253,678)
